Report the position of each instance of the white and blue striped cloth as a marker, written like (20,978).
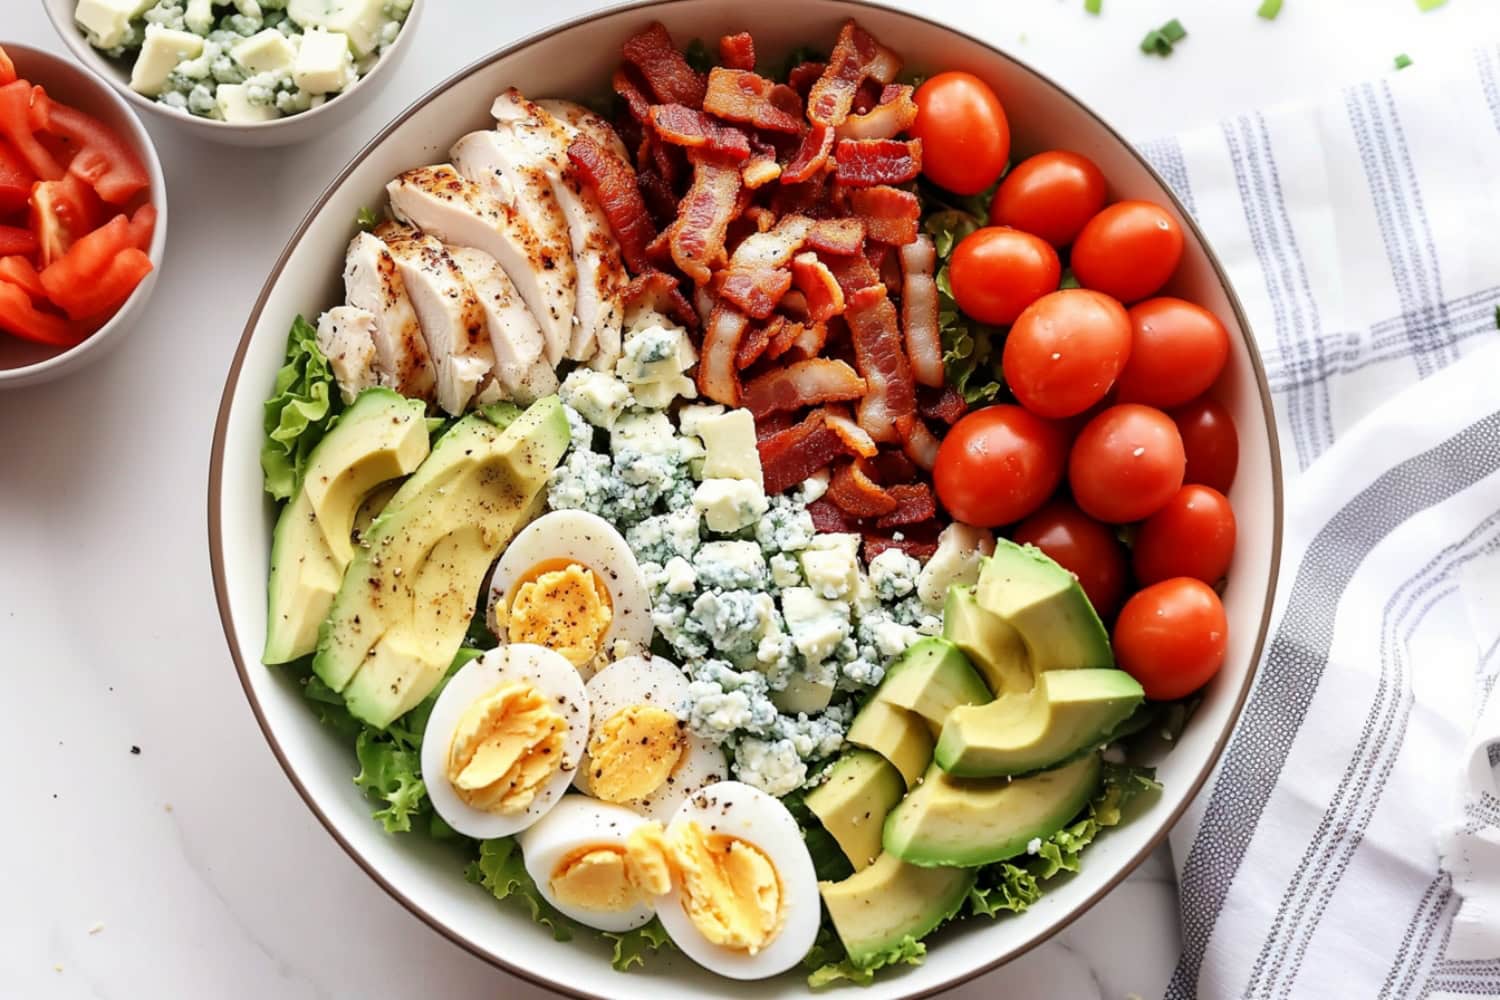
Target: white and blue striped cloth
(1349,843)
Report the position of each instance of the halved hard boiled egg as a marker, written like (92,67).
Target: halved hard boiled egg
(504,740)
(570,582)
(640,753)
(578,857)
(744,898)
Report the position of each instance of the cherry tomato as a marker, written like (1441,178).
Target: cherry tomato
(1211,443)
(965,135)
(1193,535)
(1129,250)
(1065,351)
(1171,637)
(1126,463)
(997,272)
(1052,194)
(998,465)
(1177,350)
(1082,546)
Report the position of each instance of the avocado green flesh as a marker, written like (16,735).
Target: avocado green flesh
(899,736)
(380,437)
(1044,603)
(1067,711)
(406,600)
(885,902)
(965,822)
(931,679)
(853,802)
(992,646)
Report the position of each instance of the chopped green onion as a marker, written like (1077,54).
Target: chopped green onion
(1173,30)
(1497,317)
(1160,41)
(1426,5)
(1093,6)
(1269,9)
(1403,61)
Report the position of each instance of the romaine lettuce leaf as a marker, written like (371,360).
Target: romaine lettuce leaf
(302,407)
(500,870)
(632,947)
(830,963)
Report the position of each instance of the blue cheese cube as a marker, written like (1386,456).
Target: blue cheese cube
(729,440)
(161,52)
(893,574)
(107,22)
(729,505)
(653,361)
(786,571)
(363,21)
(831,564)
(690,418)
(599,397)
(817,625)
(679,577)
(732,565)
(264,52)
(646,432)
(234,106)
(806,692)
(324,63)
(961,549)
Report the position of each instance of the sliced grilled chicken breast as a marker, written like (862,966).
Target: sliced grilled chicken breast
(346,336)
(523,373)
(453,322)
(440,201)
(581,119)
(372,282)
(602,278)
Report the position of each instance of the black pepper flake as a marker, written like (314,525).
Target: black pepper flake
(135,750)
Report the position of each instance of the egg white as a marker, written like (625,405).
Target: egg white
(590,541)
(550,673)
(576,823)
(636,680)
(739,810)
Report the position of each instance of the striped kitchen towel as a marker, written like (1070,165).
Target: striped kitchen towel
(1349,843)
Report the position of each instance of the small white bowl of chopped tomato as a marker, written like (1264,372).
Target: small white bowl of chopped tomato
(83,215)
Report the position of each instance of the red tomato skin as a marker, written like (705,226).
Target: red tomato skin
(1129,250)
(965,134)
(1177,350)
(1192,535)
(1065,351)
(16,179)
(997,272)
(1082,546)
(1126,464)
(1210,441)
(1052,195)
(1171,637)
(999,464)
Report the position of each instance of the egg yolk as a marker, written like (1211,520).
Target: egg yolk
(505,747)
(649,859)
(566,610)
(597,878)
(729,888)
(634,752)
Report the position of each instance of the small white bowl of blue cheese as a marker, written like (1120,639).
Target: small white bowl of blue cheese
(245,72)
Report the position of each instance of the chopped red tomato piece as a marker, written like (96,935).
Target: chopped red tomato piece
(143,227)
(104,160)
(17,128)
(20,317)
(106,292)
(16,179)
(19,271)
(61,212)
(7,68)
(70,281)
(16,241)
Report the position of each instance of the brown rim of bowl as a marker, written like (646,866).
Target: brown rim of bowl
(215,484)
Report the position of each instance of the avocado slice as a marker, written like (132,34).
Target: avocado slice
(931,679)
(1067,711)
(853,802)
(405,602)
(878,906)
(899,736)
(1044,603)
(977,821)
(380,437)
(991,645)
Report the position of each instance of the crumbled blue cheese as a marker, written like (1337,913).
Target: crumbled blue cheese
(786,526)
(773,766)
(786,571)
(598,396)
(817,626)
(893,574)
(653,363)
(831,564)
(961,549)
(732,565)
(813,487)
(724,701)
(734,621)
(658,538)
(1034,845)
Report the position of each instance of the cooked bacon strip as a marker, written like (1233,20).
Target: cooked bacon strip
(921,445)
(755,341)
(665,70)
(718,378)
(856,494)
(852,273)
(890,214)
(946,405)
(773,424)
(803,75)
(756,291)
(760,170)
(757,277)
(739,95)
(886,120)
(838,236)
(853,435)
(817,284)
(809,342)
(914,504)
(827,518)
(624,83)
(660,292)
(737,51)
(790,456)
(697,237)
(683,126)
(919,312)
(784,338)
(889,408)
(865,162)
(856,57)
(614,184)
(811,156)
(803,383)
(893,467)
(876,544)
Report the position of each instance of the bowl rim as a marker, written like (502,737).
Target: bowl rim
(216,478)
(113,329)
(96,62)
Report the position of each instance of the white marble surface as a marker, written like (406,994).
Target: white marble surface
(192,869)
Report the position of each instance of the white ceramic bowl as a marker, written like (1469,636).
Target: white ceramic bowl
(278,132)
(25,363)
(573,60)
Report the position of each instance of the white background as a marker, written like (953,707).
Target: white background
(192,869)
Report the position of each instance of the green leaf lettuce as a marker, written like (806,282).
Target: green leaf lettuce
(499,869)
(302,407)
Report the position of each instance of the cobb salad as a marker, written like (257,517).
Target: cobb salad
(708,515)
